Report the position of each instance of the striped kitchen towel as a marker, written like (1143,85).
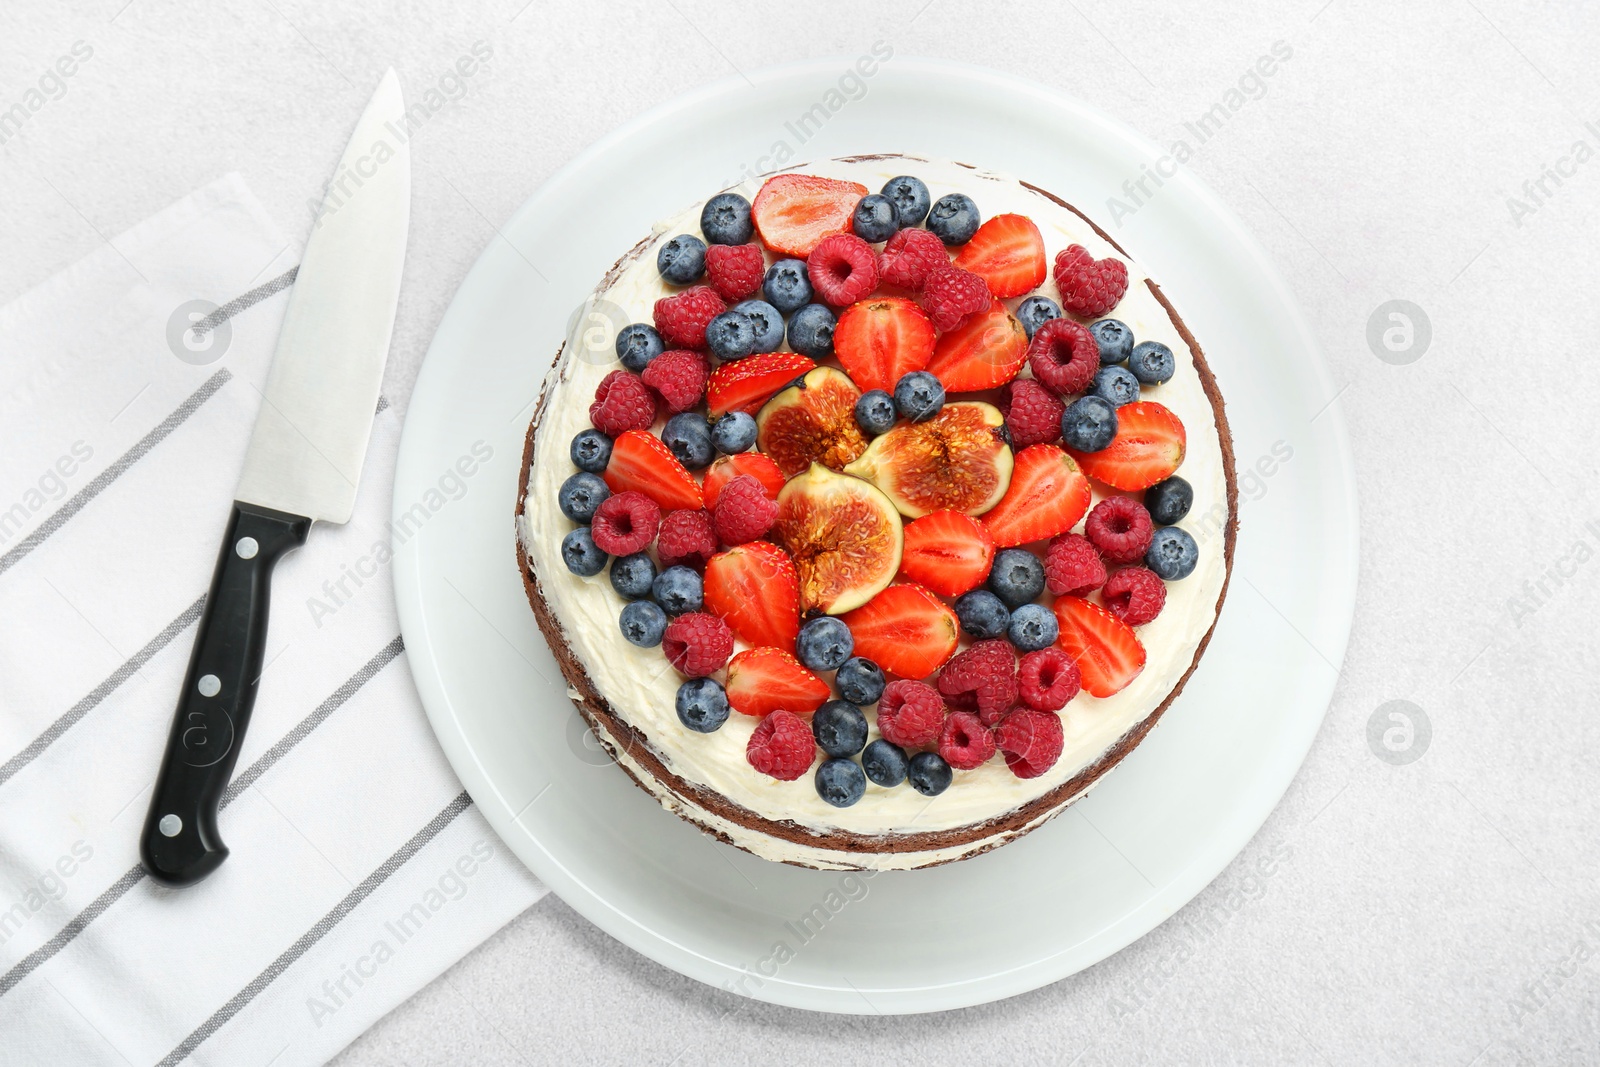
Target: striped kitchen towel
(360,869)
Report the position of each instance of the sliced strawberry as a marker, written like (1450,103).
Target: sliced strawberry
(880,340)
(948,552)
(748,383)
(1007,253)
(639,460)
(755,589)
(1148,448)
(906,630)
(756,464)
(793,212)
(764,680)
(1105,648)
(1048,495)
(985,352)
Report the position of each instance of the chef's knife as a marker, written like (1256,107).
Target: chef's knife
(303,465)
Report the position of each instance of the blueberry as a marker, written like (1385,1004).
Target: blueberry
(919,396)
(591,451)
(1035,311)
(581,555)
(875,412)
(725,220)
(637,344)
(875,218)
(1033,626)
(1115,385)
(954,218)
(1172,554)
(689,438)
(643,623)
(735,432)
(824,643)
(982,614)
(631,575)
(885,763)
(682,260)
(1089,424)
(1016,577)
(840,728)
(1152,362)
(702,705)
(731,335)
(580,495)
(910,198)
(1169,501)
(860,681)
(840,782)
(1114,340)
(677,590)
(765,320)
(787,286)
(811,331)
(930,775)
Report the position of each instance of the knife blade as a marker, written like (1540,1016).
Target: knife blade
(303,465)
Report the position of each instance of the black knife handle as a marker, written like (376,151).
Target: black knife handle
(180,844)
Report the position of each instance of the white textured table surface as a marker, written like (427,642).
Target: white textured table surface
(1431,900)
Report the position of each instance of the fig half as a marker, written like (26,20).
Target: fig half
(844,535)
(812,421)
(959,460)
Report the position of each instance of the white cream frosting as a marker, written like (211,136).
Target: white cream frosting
(641,686)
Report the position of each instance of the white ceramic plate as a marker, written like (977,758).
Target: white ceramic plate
(1155,832)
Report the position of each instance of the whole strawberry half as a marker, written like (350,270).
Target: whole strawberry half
(880,340)
(1007,252)
(794,212)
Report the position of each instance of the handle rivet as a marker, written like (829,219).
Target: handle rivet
(170,826)
(210,685)
(247,548)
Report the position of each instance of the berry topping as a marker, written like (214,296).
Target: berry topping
(908,258)
(591,451)
(781,746)
(679,376)
(929,774)
(697,644)
(905,630)
(1173,554)
(631,576)
(811,331)
(735,271)
(884,763)
(843,269)
(948,552)
(1115,385)
(859,681)
(983,679)
(580,494)
(1169,500)
(756,590)
(637,344)
(881,340)
(1089,287)
(1135,595)
(678,591)
(702,705)
(910,714)
(744,511)
(953,218)
(1148,447)
(985,352)
(840,728)
(1032,627)
(1063,356)
(622,401)
(1035,311)
(686,538)
(765,320)
(1089,424)
(682,260)
(875,218)
(965,742)
(982,615)
(749,383)
(786,285)
(1033,413)
(1047,679)
(1107,652)
(763,681)
(910,197)
(643,623)
(756,464)
(840,782)
(824,644)
(1017,577)
(950,294)
(1120,528)
(1152,362)
(1007,253)
(794,212)
(626,523)
(730,336)
(734,433)
(875,412)
(725,220)
(919,396)
(579,553)
(1048,495)
(688,436)
(681,319)
(1031,741)
(1072,567)
(1114,339)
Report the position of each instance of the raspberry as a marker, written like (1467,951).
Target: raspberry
(842,269)
(1089,287)
(1120,528)
(983,677)
(909,256)
(965,742)
(1047,679)
(910,713)
(1031,741)
(1064,356)
(744,511)
(950,294)
(735,271)
(686,538)
(1033,413)
(698,644)
(625,523)
(1135,595)
(681,319)
(1072,567)
(781,746)
(622,402)
(679,376)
